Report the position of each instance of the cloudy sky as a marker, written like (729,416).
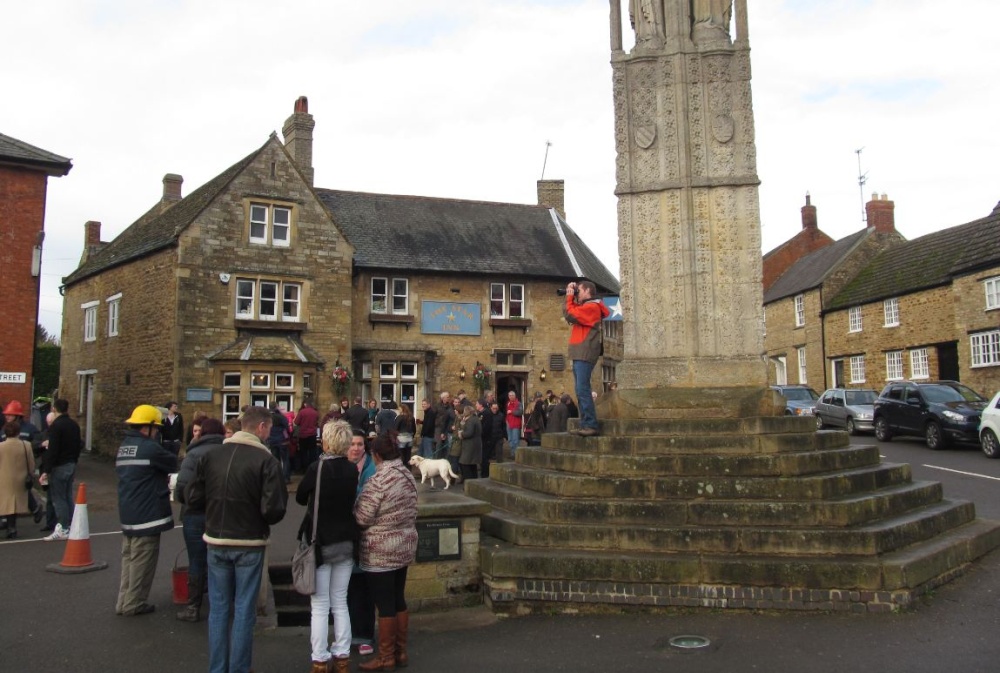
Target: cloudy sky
(457,98)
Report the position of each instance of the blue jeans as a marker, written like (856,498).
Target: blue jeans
(427,447)
(194,528)
(584,398)
(61,492)
(513,438)
(233,584)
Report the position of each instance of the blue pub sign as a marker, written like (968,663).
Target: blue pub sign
(449,317)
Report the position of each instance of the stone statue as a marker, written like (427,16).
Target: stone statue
(646,17)
(712,13)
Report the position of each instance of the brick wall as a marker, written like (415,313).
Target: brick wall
(925,319)
(784,338)
(779,260)
(135,367)
(22,214)
(548,334)
(969,300)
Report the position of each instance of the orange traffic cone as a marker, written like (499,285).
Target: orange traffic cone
(77,557)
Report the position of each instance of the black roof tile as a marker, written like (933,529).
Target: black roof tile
(810,271)
(455,236)
(929,261)
(17,151)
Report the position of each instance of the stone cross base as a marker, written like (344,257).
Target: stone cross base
(699,402)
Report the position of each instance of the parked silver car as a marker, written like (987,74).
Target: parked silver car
(989,428)
(799,400)
(850,408)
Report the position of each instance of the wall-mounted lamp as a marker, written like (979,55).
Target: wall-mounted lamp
(543,374)
(461,373)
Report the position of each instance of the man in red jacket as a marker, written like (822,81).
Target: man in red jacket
(585,313)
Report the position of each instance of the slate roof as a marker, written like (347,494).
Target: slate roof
(810,271)
(455,236)
(929,261)
(157,229)
(273,348)
(14,151)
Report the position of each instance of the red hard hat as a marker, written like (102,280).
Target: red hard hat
(14,408)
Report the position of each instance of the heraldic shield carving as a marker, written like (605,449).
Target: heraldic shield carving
(645,135)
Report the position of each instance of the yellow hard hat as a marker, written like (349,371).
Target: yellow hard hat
(145,414)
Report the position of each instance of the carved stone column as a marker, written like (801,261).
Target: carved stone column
(688,214)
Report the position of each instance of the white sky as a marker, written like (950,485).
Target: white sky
(456,98)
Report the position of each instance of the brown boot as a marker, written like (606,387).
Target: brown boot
(319,667)
(402,626)
(385,659)
(338,665)
(192,611)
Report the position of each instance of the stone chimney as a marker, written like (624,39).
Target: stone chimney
(91,239)
(809,220)
(552,194)
(172,187)
(880,211)
(298,132)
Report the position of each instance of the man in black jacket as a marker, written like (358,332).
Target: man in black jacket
(241,488)
(172,433)
(143,467)
(357,416)
(59,467)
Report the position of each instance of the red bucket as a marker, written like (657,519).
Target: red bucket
(180,577)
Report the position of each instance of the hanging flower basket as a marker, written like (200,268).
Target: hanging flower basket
(341,376)
(482,378)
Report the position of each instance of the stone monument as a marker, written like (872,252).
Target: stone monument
(698,492)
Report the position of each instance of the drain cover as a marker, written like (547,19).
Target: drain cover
(689,642)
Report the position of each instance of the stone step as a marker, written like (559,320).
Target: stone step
(607,463)
(875,537)
(700,427)
(723,443)
(513,573)
(850,510)
(669,487)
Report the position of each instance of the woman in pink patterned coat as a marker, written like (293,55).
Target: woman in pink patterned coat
(386,510)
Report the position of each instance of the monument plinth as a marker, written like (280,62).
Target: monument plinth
(698,492)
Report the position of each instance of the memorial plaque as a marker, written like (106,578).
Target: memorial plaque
(439,540)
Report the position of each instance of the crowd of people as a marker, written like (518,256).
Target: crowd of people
(232,487)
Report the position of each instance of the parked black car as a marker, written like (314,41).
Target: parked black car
(940,411)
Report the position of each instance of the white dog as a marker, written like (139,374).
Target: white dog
(439,467)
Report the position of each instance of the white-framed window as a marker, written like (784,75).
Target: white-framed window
(387,370)
(408,394)
(386,393)
(366,371)
(890,307)
(268,300)
(507,301)
(284,380)
(407,370)
(854,319)
(919,367)
(380,301)
(801,352)
(230,406)
(114,311)
(992,287)
(90,320)
(260,380)
(894,365)
(400,295)
(857,369)
(985,348)
(270,225)
(800,311)
(232,379)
